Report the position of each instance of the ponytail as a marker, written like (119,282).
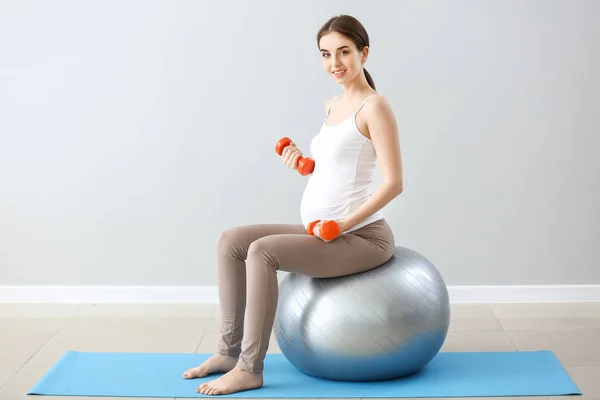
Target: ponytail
(369,79)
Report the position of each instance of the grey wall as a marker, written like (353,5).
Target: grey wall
(133,132)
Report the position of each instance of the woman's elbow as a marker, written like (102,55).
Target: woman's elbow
(399,188)
(396,187)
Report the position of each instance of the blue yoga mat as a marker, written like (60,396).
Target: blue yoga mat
(449,374)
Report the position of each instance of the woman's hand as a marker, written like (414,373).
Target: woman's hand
(290,156)
(341,223)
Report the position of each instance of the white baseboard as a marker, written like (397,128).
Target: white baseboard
(108,294)
(525,294)
(209,294)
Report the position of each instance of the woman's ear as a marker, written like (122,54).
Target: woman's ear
(365,54)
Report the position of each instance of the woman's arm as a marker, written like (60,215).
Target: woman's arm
(383,132)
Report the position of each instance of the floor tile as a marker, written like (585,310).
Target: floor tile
(147,310)
(32,324)
(37,310)
(549,323)
(6,372)
(214,325)
(475,324)
(550,310)
(18,346)
(477,341)
(465,310)
(137,324)
(571,347)
(587,379)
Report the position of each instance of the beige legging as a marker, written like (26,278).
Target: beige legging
(248,260)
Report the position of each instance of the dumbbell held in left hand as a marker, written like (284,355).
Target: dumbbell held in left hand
(328,230)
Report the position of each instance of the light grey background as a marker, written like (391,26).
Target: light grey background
(133,132)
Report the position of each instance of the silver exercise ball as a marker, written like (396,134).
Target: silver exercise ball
(380,324)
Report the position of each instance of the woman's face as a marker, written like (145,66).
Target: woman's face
(341,59)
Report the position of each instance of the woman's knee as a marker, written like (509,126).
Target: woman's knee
(225,238)
(262,252)
(230,241)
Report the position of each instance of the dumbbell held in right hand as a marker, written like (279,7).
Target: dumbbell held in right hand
(306,165)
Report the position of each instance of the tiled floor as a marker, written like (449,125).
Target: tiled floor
(32,337)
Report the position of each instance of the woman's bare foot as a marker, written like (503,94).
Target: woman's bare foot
(236,380)
(215,363)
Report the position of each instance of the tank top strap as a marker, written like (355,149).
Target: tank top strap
(363,103)
(330,103)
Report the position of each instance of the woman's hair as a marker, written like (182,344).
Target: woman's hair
(353,29)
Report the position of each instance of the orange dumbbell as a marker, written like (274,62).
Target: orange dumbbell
(329,230)
(306,165)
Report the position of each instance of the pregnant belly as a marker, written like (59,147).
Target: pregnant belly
(329,202)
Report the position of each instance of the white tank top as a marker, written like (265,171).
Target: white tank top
(340,182)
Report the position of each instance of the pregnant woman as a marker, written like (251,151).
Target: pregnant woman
(358,130)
